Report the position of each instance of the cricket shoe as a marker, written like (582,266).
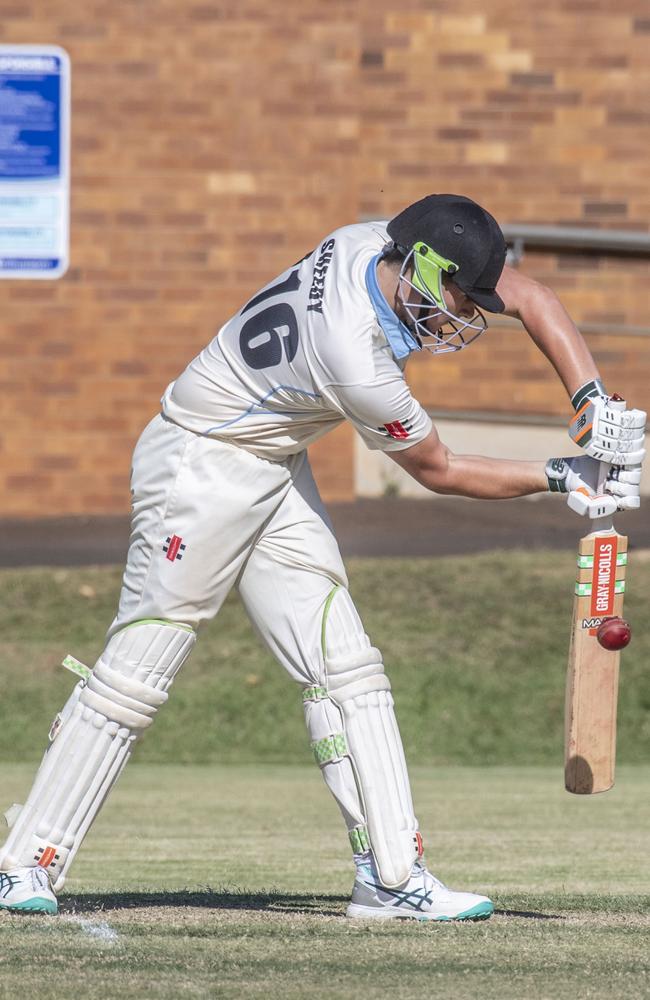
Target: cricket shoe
(422,897)
(27,890)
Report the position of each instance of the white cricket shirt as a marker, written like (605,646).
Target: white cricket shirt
(305,353)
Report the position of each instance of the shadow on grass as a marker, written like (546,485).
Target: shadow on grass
(210,899)
(233,899)
(528,915)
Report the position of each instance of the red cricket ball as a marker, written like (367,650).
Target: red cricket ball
(614,633)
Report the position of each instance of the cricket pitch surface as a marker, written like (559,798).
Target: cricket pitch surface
(232,881)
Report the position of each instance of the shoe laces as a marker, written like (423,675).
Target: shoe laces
(421,869)
(40,878)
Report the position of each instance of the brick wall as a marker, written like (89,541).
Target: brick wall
(214,142)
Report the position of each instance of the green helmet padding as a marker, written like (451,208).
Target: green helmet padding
(427,272)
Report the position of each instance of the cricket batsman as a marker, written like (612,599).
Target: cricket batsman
(223,497)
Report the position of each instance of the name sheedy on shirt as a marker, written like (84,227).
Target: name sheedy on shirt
(317,289)
(28,64)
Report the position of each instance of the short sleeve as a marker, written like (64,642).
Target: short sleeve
(385,413)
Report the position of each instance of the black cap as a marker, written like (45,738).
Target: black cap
(457,228)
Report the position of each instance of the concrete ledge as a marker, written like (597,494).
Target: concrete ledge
(397,527)
(64,541)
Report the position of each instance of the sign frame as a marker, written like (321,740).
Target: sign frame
(35,210)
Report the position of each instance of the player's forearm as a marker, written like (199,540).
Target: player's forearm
(483,478)
(550,328)
(557,337)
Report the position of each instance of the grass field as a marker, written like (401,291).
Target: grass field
(227,873)
(475,647)
(232,881)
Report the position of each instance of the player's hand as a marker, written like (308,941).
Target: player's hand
(576,473)
(624,483)
(609,432)
(579,476)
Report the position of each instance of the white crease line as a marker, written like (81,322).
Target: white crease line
(101,931)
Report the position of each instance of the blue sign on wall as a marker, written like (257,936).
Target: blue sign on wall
(34,161)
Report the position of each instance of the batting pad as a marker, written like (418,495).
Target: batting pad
(356,741)
(93,741)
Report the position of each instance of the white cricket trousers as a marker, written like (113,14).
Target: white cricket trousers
(208,516)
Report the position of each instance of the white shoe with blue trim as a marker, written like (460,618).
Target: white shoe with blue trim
(27,890)
(422,897)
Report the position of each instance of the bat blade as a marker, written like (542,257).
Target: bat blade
(592,675)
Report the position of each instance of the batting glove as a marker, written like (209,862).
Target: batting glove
(578,477)
(605,428)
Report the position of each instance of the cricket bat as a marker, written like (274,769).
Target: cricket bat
(592,675)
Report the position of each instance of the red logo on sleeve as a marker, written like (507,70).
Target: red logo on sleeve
(397,430)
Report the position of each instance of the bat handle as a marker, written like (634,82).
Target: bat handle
(603,472)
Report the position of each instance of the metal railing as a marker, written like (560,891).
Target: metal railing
(608,329)
(608,242)
(560,238)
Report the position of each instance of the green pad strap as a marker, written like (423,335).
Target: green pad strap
(359,839)
(314,694)
(330,748)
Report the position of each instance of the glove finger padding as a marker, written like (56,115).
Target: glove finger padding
(628,503)
(608,433)
(623,481)
(620,452)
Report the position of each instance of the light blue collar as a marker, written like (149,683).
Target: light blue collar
(400,338)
